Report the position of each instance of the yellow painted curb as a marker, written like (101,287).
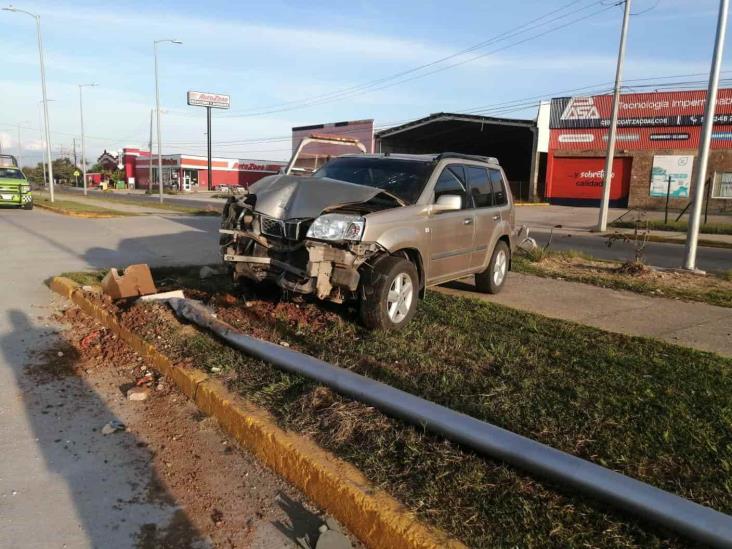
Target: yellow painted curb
(70,213)
(373,515)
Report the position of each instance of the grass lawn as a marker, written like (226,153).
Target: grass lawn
(715,289)
(675,226)
(656,412)
(81,208)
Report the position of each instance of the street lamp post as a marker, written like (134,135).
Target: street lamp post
(83,143)
(157,110)
(42,125)
(608,174)
(692,235)
(43,87)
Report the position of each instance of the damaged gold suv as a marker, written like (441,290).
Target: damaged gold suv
(378,229)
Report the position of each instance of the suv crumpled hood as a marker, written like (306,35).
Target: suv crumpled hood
(297,197)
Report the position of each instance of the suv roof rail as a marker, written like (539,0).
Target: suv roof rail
(462,156)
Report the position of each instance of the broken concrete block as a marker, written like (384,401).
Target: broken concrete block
(330,539)
(333,524)
(135,281)
(137,393)
(162,296)
(112,427)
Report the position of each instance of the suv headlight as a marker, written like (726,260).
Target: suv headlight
(25,188)
(337,227)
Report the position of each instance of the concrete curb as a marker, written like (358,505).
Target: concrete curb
(374,516)
(70,213)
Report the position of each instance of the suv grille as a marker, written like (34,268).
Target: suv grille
(291,230)
(272,227)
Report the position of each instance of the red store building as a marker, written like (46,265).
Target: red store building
(657,143)
(190,173)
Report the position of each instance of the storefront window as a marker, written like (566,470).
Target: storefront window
(722,187)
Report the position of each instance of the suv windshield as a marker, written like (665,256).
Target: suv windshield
(403,178)
(11,173)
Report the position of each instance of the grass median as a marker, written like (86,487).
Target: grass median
(656,412)
(213,210)
(714,289)
(80,209)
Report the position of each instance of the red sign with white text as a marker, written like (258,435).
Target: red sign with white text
(659,120)
(582,177)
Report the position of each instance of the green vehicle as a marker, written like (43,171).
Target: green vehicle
(14,187)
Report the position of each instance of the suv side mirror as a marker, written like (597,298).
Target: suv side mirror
(447,203)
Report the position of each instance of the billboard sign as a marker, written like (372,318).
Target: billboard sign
(639,110)
(676,167)
(205,99)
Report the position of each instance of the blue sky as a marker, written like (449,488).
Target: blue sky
(277,58)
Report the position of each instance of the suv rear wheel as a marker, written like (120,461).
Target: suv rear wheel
(390,294)
(492,279)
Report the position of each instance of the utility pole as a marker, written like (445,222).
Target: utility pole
(43,153)
(610,156)
(150,158)
(43,89)
(706,137)
(83,144)
(157,108)
(20,149)
(208,139)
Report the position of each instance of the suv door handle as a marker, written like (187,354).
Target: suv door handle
(468,221)
(496,217)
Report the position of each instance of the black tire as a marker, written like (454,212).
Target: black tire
(488,282)
(28,206)
(376,285)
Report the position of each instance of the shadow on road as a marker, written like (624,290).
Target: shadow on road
(118,499)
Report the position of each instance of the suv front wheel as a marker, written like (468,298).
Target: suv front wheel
(491,280)
(390,294)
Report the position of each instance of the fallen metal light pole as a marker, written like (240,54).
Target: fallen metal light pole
(699,523)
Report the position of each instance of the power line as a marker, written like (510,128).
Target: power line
(389,81)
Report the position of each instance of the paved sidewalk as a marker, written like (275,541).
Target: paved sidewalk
(697,325)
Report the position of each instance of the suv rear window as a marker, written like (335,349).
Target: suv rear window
(499,188)
(480,186)
(403,178)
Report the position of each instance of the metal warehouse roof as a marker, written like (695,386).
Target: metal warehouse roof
(448,117)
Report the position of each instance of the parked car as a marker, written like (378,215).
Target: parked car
(15,189)
(379,229)
(221,188)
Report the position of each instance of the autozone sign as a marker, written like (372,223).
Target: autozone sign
(205,99)
(638,110)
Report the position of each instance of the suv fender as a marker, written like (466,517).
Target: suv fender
(492,246)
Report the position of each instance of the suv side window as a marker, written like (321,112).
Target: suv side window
(499,188)
(480,186)
(452,181)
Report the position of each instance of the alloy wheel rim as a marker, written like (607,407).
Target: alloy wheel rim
(399,299)
(499,268)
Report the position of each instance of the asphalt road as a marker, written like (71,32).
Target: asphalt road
(656,253)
